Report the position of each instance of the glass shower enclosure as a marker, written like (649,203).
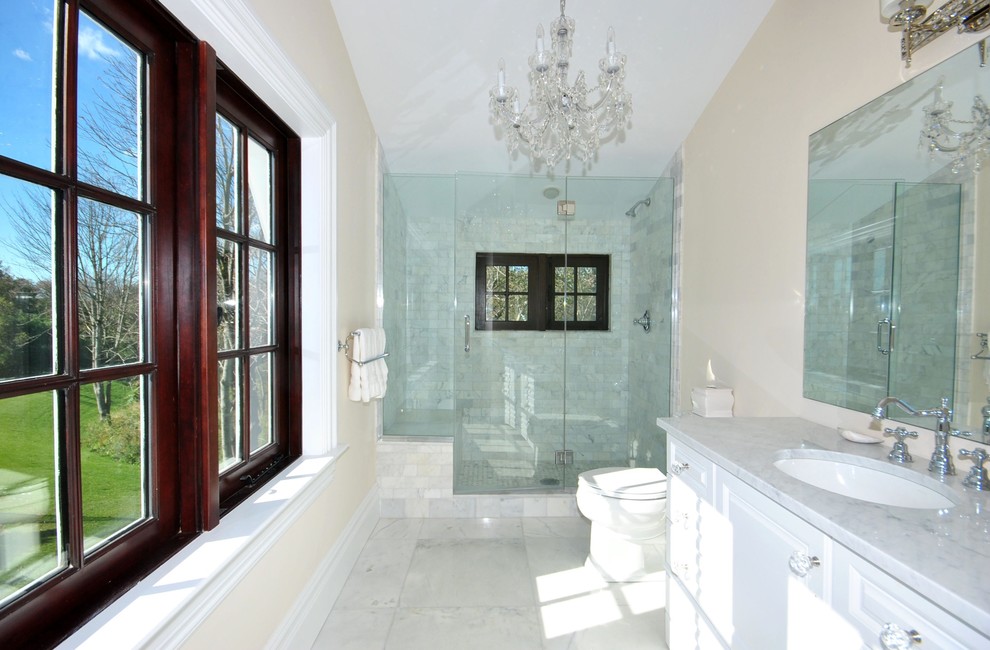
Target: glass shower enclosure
(532,404)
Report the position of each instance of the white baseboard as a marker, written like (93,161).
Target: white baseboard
(303,624)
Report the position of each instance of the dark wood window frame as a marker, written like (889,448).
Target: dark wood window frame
(540,291)
(187,494)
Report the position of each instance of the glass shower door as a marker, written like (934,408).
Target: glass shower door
(925,290)
(508,371)
(616,380)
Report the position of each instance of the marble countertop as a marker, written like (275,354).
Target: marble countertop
(942,554)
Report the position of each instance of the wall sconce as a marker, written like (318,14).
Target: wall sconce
(920,27)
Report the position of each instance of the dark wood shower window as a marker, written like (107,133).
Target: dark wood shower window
(530,291)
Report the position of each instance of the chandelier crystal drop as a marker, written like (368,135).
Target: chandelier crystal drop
(967,141)
(562,120)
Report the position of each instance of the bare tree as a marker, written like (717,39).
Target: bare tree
(108,263)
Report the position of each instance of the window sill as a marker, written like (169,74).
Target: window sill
(162,609)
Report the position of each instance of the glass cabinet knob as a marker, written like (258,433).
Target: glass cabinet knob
(894,637)
(801,563)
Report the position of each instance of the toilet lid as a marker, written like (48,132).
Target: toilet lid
(626,482)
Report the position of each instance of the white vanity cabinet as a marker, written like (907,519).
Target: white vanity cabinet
(751,571)
(748,574)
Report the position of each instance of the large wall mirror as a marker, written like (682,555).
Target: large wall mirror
(898,260)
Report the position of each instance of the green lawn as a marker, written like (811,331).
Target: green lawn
(111,489)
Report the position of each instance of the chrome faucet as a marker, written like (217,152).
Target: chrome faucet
(941,461)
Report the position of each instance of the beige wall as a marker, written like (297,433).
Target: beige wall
(745,193)
(309,36)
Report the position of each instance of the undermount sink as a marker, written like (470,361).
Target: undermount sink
(866,479)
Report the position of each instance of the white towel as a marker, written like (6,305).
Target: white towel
(368,380)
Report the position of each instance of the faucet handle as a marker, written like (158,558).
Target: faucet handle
(979,455)
(900,433)
(899,453)
(977,477)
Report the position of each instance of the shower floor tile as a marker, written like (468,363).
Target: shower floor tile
(499,584)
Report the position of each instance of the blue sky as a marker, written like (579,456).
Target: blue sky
(26,54)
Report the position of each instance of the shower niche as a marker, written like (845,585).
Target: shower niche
(528,408)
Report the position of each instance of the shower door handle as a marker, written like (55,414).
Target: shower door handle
(886,322)
(467,333)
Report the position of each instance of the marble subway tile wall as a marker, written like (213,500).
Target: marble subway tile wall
(415,479)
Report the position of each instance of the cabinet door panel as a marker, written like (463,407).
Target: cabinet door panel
(869,599)
(766,603)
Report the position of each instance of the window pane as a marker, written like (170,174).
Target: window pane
(563,279)
(229,412)
(228,176)
(26,115)
(259,191)
(586,308)
(519,279)
(114,439)
(495,278)
(31,542)
(26,279)
(111,111)
(518,308)
(109,282)
(563,308)
(228,291)
(494,307)
(261,401)
(587,279)
(260,295)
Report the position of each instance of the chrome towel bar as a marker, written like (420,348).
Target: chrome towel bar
(345,346)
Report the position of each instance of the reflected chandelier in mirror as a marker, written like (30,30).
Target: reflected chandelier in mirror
(898,258)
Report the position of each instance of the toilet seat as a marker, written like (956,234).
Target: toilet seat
(632,483)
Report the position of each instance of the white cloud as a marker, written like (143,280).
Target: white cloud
(91,45)
(22,55)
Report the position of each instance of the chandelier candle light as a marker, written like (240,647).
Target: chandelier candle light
(967,141)
(561,120)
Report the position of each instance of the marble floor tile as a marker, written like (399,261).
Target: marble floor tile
(378,575)
(468,573)
(557,527)
(457,628)
(482,528)
(488,584)
(397,529)
(355,629)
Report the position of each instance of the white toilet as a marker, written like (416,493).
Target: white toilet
(626,506)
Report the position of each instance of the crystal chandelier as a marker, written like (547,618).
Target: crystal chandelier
(944,133)
(561,120)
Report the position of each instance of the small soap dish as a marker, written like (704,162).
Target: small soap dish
(855,436)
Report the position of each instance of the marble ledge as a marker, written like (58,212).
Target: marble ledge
(941,554)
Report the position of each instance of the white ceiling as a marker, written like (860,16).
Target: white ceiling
(425,68)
